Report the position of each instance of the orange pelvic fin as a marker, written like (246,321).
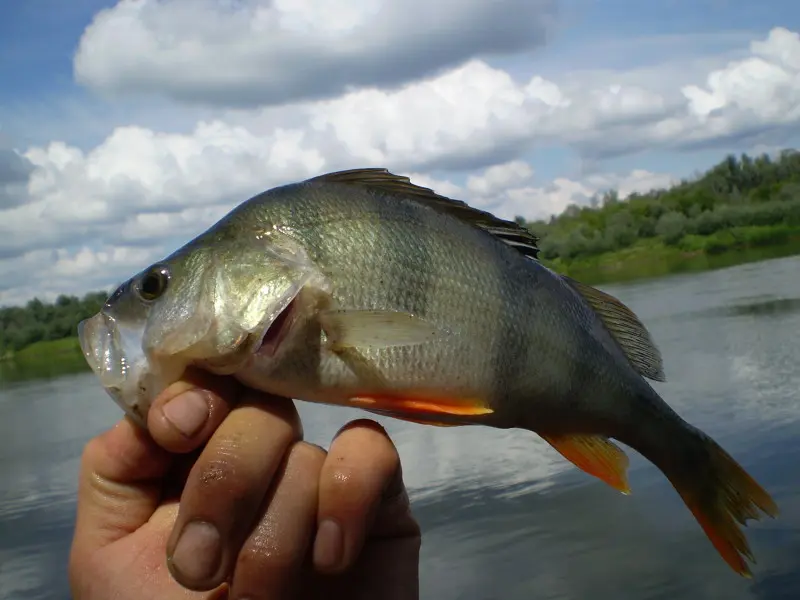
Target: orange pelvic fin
(427,422)
(596,455)
(421,407)
(418,420)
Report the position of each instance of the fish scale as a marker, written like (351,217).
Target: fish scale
(428,273)
(359,288)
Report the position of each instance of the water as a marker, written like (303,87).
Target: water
(503,516)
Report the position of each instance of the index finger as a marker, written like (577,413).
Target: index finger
(185,415)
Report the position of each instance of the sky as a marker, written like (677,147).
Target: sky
(127,128)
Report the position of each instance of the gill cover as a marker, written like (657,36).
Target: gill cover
(232,292)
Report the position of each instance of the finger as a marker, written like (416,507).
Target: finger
(183,417)
(271,558)
(226,487)
(361,488)
(119,485)
(138,559)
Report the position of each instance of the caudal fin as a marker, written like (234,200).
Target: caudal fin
(721,496)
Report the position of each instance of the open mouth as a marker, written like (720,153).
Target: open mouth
(101,350)
(278,330)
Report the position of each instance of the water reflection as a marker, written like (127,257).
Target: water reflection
(503,515)
(441,460)
(66,364)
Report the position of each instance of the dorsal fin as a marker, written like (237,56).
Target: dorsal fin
(513,234)
(626,328)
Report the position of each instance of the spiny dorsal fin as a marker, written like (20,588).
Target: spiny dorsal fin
(626,328)
(513,234)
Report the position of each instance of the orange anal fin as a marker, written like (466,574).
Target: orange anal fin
(427,422)
(595,455)
(421,406)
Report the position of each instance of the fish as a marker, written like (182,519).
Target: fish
(361,288)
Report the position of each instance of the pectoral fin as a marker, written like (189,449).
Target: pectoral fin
(595,455)
(374,329)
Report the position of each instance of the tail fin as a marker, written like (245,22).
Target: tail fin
(721,496)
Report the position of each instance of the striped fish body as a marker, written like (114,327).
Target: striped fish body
(508,334)
(359,288)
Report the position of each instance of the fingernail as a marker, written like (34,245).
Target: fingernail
(188,412)
(329,545)
(198,552)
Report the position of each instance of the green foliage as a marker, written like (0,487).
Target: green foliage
(737,193)
(37,321)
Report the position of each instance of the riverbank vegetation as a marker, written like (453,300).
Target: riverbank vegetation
(42,330)
(740,210)
(741,206)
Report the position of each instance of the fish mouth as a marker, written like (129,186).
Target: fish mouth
(104,351)
(101,349)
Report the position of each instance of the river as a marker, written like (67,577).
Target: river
(503,516)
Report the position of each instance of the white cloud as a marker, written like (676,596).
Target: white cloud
(510,189)
(255,52)
(470,126)
(14,174)
(105,192)
(762,90)
(475,111)
(48,273)
(471,112)
(108,251)
(637,181)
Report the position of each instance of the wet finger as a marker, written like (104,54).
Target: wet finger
(361,481)
(226,487)
(186,414)
(271,558)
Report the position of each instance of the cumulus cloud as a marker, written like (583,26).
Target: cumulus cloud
(748,95)
(464,131)
(46,273)
(256,52)
(14,173)
(139,185)
(475,113)
(510,189)
(104,239)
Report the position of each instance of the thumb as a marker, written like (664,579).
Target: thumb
(120,485)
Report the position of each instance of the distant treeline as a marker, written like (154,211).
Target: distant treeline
(738,192)
(735,195)
(39,321)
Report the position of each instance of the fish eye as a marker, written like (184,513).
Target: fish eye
(153,283)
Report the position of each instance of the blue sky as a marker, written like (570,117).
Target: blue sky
(610,107)
(38,39)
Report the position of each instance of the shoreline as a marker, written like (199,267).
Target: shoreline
(647,259)
(651,258)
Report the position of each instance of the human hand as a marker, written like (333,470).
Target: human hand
(261,500)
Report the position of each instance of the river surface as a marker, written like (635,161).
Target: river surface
(503,516)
